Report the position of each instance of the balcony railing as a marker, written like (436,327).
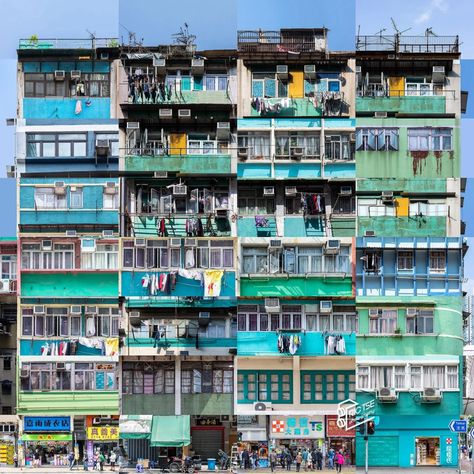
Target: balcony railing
(276,42)
(408,44)
(157,148)
(379,90)
(62,43)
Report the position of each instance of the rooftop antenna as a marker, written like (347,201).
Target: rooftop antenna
(184,37)
(379,33)
(395,27)
(429,32)
(91,34)
(132,37)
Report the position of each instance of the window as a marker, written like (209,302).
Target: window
(266,85)
(430,139)
(327,386)
(104,324)
(251,202)
(42,145)
(417,87)
(257,145)
(405,261)
(215,329)
(46,198)
(338,147)
(8,267)
(415,377)
(147,378)
(254,318)
(215,82)
(438,261)
(266,386)
(337,322)
(60,257)
(213,377)
(44,85)
(372,261)
(385,323)
(7,363)
(377,139)
(76,199)
(422,323)
(113,141)
(105,257)
(423,208)
(91,84)
(363,377)
(111,201)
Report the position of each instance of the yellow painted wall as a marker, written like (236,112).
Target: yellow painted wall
(296,85)
(177,143)
(397,86)
(402,207)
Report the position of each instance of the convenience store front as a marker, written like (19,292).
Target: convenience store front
(296,432)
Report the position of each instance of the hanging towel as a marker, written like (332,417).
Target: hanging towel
(78,108)
(190,274)
(90,327)
(111,346)
(189,261)
(212,283)
(146,281)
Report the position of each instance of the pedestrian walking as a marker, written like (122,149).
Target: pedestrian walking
(319,460)
(113,458)
(71,459)
(339,460)
(288,460)
(299,460)
(272,457)
(331,454)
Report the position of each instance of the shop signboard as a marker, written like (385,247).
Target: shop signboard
(298,426)
(90,453)
(103,433)
(46,423)
(47,437)
(334,431)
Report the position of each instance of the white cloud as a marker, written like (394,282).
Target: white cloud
(433,7)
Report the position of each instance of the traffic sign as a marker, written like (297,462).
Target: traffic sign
(471,433)
(458,426)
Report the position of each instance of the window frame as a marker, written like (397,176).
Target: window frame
(309,382)
(244,379)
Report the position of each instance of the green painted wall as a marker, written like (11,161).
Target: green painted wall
(188,164)
(343,227)
(406,164)
(68,284)
(207,404)
(406,105)
(388,226)
(293,287)
(415,185)
(148,404)
(68,403)
(299,107)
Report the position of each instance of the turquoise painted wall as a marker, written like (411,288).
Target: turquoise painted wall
(189,164)
(69,217)
(406,105)
(246,227)
(204,342)
(65,108)
(387,226)
(29,347)
(131,286)
(69,284)
(343,226)
(253,343)
(293,287)
(51,66)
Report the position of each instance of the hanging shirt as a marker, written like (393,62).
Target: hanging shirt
(212,283)
(189,260)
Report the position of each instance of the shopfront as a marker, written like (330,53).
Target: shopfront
(7,442)
(50,436)
(427,451)
(340,438)
(103,432)
(296,432)
(252,432)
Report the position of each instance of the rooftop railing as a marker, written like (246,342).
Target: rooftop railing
(274,41)
(65,43)
(408,44)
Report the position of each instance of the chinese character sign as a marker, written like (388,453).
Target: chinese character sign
(449,450)
(283,427)
(103,433)
(46,423)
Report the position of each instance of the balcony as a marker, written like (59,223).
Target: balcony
(8,287)
(34,43)
(408,44)
(192,161)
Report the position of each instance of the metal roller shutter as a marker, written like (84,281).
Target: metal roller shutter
(207,442)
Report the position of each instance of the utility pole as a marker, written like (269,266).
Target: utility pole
(366,438)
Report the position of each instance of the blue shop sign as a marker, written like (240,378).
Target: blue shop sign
(46,423)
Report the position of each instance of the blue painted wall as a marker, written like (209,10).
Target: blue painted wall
(65,108)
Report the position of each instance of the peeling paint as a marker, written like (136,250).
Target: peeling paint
(418,158)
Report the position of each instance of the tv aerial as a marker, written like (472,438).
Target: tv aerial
(184,37)
(397,30)
(429,32)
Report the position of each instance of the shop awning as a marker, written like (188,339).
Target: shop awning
(135,426)
(171,431)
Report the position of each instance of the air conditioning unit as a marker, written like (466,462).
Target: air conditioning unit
(431,395)
(39,309)
(110,188)
(262,406)
(386,394)
(24,373)
(134,318)
(140,242)
(76,74)
(184,113)
(60,188)
(369,233)
(282,71)
(91,310)
(175,242)
(223,130)
(325,306)
(380,114)
(160,174)
(332,246)
(60,366)
(290,191)
(345,190)
(159,63)
(243,153)
(387,196)
(133,125)
(134,314)
(375,312)
(71,233)
(165,113)
(46,245)
(439,74)
(310,71)
(75,309)
(275,244)
(204,314)
(268,191)
(88,245)
(197,66)
(4,285)
(297,152)
(180,190)
(412,312)
(272,305)
(102,147)
(190,242)
(59,75)
(107,233)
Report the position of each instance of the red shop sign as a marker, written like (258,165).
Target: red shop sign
(333,431)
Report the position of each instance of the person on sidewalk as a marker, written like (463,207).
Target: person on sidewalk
(299,460)
(339,460)
(113,458)
(319,460)
(331,454)
(272,457)
(71,459)
(288,459)
(36,458)
(304,462)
